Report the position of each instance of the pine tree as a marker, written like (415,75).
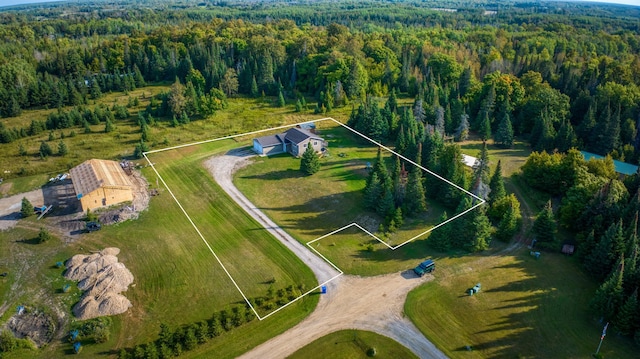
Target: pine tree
(462,132)
(497,185)
(484,130)
(481,230)
(544,227)
(22,151)
(440,238)
(45,150)
(504,134)
(281,101)
(598,263)
(609,296)
(510,217)
(566,137)
(310,162)
(108,126)
(253,91)
(386,204)
(62,149)
(26,209)
(414,201)
(625,320)
(298,106)
(439,127)
(372,191)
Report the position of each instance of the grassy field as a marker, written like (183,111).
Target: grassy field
(242,115)
(527,308)
(352,344)
(310,207)
(253,258)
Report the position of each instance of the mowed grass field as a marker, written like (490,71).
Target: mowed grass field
(352,344)
(254,259)
(527,308)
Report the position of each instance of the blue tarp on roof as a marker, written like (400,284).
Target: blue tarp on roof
(621,167)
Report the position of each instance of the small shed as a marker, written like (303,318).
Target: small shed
(568,249)
(101,183)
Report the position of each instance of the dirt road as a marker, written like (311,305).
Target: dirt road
(370,303)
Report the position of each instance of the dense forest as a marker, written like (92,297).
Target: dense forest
(562,76)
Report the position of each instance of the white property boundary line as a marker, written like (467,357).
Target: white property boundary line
(340,272)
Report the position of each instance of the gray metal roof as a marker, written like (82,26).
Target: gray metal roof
(269,141)
(297,135)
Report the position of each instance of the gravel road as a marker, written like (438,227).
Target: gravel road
(367,303)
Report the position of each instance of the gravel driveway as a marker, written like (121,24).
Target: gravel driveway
(367,303)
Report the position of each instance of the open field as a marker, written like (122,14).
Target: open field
(527,308)
(352,344)
(177,280)
(255,259)
(242,114)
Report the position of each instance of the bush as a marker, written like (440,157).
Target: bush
(27,208)
(371,352)
(44,236)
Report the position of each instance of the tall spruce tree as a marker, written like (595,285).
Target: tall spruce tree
(608,298)
(440,238)
(504,134)
(310,162)
(544,228)
(497,185)
(626,321)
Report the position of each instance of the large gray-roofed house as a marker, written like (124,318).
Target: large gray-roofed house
(294,140)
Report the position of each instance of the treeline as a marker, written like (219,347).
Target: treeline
(603,212)
(558,86)
(172,343)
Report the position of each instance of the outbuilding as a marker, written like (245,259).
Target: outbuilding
(101,183)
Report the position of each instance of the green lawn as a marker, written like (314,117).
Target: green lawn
(527,308)
(311,206)
(352,344)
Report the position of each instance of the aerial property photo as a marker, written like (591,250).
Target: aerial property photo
(325,179)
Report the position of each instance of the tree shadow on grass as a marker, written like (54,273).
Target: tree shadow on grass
(277,175)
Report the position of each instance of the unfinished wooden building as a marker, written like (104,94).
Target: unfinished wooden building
(101,183)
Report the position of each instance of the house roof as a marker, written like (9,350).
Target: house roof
(269,141)
(93,174)
(621,167)
(297,135)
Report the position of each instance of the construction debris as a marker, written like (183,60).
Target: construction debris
(102,278)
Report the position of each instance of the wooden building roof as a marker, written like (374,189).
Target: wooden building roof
(93,174)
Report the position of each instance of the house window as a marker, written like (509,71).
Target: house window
(315,143)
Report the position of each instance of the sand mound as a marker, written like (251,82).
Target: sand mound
(102,278)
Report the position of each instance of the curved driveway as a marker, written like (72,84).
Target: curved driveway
(367,303)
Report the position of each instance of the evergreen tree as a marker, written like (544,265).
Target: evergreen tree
(372,191)
(462,132)
(609,296)
(108,126)
(497,185)
(439,126)
(298,106)
(504,134)
(22,151)
(26,209)
(281,101)
(508,209)
(484,130)
(253,91)
(310,162)
(481,230)
(62,149)
(598,263)
(440,238)
(544,227)
(626,319)
(392,101)
(565,138)
(418,111)
(414,201)
(386,204)
(45,150)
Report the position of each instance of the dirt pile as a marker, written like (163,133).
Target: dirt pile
(102,278)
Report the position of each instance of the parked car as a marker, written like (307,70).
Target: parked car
(427,266)
(93,226)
